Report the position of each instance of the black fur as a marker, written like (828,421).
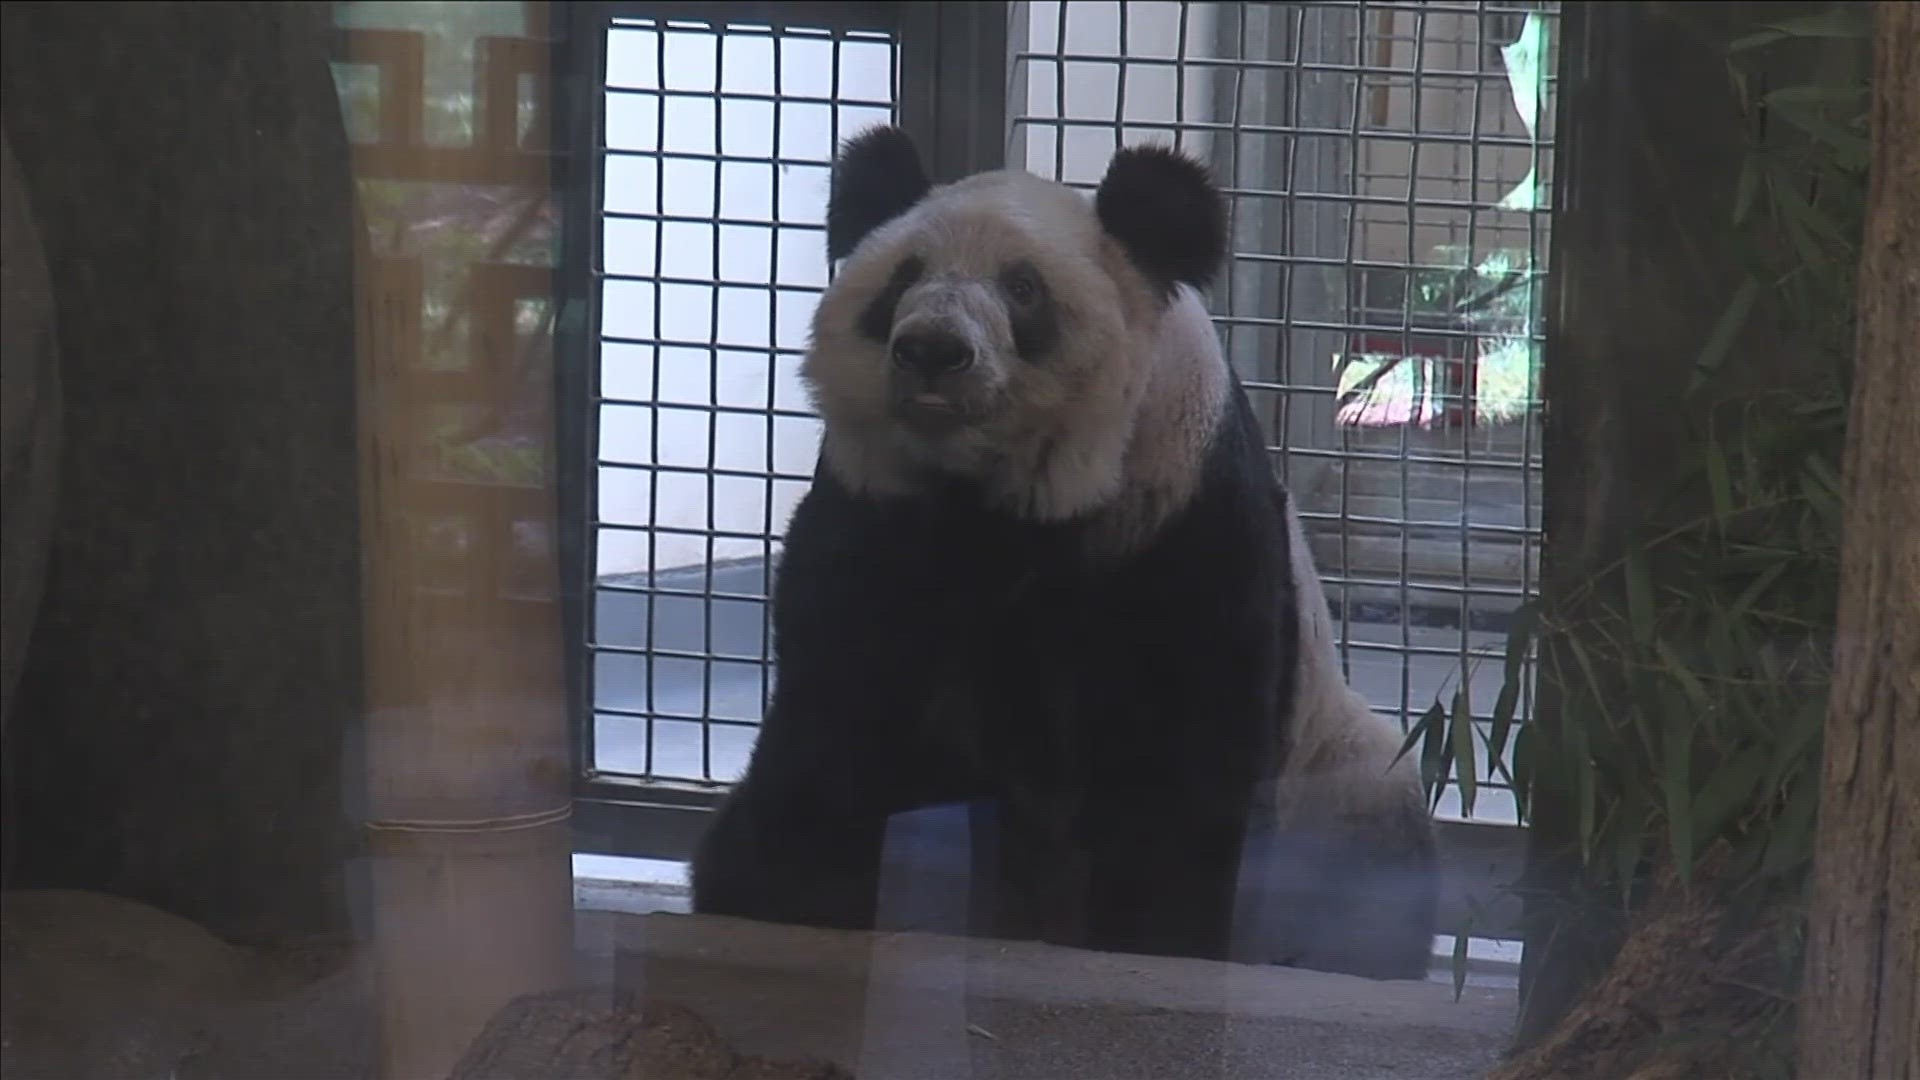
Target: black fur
(877,176)
(876,319)
(1164,209)
(1104,723)
(1034,316)
(1098,726)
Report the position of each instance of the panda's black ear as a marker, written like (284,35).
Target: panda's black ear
(1163,208)
(876,178)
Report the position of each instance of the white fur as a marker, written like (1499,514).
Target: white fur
(1185,398)
(1341,761)
(1112,428)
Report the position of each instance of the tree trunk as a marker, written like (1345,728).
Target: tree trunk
(1858,1013)
(1683,998)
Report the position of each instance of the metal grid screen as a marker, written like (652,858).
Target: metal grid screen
(718,137)
(1388,166)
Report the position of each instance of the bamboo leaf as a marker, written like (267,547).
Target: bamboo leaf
(1720,341)
(1852,97)
(1807,725)
(1821,469)
(1442,769)
(1745,190)
(1432,749)
(1805,223)
(1747,854)
(1587,670)
(1790,842)
(1523,772)
(1719,485)
(1639,599)
(1753,591)
(1415,733)
(1501,728)
(1631,845)
(1584,779)
(1680,827)
(1842,23)
(1689,682)
(1519,640)
(1725,792)
(1677,781)
(1825,505)
(1801,106)
(1460,963)
(1464,771)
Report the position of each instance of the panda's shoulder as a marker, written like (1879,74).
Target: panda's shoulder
(1232,526)
(833,528)
(837,536)
(827,506)
(1236,472)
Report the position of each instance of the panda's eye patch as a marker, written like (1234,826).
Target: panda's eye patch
(1031,314)
(1022,284)
(876,321)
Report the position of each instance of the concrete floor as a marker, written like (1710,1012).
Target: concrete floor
(102,989)
(923,1006)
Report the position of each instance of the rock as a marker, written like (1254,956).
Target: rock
(95,987)
(611,1034)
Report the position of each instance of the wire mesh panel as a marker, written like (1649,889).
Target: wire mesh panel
(1388,166)
(1387,162)
(718,137)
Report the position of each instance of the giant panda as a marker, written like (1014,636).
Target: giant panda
(1045,574)
(1341,870)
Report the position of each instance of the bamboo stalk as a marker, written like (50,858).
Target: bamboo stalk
(468,830)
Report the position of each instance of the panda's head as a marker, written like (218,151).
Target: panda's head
(1009,331)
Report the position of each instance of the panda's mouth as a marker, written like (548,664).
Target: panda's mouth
(932,415)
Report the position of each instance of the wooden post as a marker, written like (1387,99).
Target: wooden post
(1860,1006)
(469,798)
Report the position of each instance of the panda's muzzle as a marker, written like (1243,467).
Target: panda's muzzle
(929,352)
(932,392)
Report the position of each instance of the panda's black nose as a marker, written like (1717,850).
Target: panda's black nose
(931,351)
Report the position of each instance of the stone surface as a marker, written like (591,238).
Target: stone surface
(104,989)
(99,988)
(614,1034)
(920,1005)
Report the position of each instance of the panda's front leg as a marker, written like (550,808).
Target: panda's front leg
(841,752)
(1165,866)
(798,840)
(1183,740)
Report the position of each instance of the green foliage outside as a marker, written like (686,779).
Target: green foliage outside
(1497,300)
(453,227)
